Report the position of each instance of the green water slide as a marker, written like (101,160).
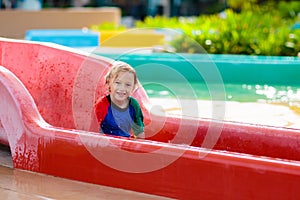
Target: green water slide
(232,69)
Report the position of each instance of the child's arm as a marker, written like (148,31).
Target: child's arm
(138,126)
(100,109)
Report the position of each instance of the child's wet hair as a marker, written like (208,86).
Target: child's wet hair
(117,67)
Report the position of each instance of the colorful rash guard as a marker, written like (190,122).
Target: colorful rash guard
(114,120)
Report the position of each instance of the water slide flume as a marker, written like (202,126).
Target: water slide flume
(46,117)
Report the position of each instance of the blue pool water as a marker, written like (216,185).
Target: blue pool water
(232,92)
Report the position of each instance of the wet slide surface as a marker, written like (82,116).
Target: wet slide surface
(16,184)
(22,185)
(171,162)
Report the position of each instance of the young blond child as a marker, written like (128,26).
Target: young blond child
(118,112)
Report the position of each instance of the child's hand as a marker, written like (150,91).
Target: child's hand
(141,136)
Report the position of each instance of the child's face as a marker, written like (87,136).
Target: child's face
(121,86)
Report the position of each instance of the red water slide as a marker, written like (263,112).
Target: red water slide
(46,117)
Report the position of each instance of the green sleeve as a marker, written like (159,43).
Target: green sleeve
(138,126)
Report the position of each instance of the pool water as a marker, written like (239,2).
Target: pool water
(272,94)
(272,105)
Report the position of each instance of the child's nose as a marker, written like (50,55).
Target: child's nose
(122,87)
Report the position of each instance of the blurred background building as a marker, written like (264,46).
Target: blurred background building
(141,8)
(138,9)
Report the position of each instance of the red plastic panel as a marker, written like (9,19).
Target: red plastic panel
(46,115)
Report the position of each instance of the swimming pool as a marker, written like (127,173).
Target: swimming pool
(234,92)
(241,78)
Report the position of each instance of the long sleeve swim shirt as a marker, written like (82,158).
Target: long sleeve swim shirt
(118,121)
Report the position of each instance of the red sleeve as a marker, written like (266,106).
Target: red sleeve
(101,108)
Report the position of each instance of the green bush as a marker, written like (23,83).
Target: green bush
(260,31)
(107,26)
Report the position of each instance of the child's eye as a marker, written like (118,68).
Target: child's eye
(128,85)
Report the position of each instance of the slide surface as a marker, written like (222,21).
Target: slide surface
(46,117)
